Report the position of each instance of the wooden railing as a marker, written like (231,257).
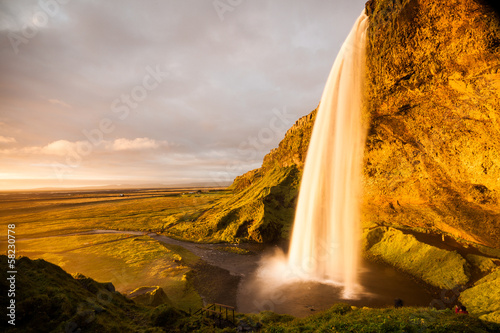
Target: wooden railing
(218,312)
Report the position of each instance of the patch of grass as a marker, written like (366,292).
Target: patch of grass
(483,300)
(126,261)
(440,268)
(343,318)
(187,257)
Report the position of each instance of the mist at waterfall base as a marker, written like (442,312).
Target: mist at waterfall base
(323,266)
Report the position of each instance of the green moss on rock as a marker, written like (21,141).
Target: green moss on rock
(493,252)
(483,300)
(440,268)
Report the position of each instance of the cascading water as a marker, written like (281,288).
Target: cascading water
(325,238)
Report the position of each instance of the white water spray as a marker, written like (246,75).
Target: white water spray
(325,239)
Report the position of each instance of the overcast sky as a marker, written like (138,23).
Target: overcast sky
(112,92)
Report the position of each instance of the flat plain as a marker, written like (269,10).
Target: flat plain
(70,229)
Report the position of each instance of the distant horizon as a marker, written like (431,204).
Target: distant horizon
(51,185)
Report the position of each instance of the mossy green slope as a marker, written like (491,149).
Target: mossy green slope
(483,300)
(260,212)
(483,264)
(440,268)
(50,300)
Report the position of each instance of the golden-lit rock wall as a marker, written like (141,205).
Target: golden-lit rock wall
(432,158)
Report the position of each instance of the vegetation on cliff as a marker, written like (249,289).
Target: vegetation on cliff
(50,300)
(260,212)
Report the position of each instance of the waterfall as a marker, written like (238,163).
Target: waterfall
(325,237)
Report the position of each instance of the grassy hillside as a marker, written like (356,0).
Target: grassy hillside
(483,299)
(261,212)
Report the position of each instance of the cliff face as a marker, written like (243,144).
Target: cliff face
(432,158)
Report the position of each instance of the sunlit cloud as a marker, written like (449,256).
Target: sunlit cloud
(136,144)
(4,139)
(65,147)
(60,147)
